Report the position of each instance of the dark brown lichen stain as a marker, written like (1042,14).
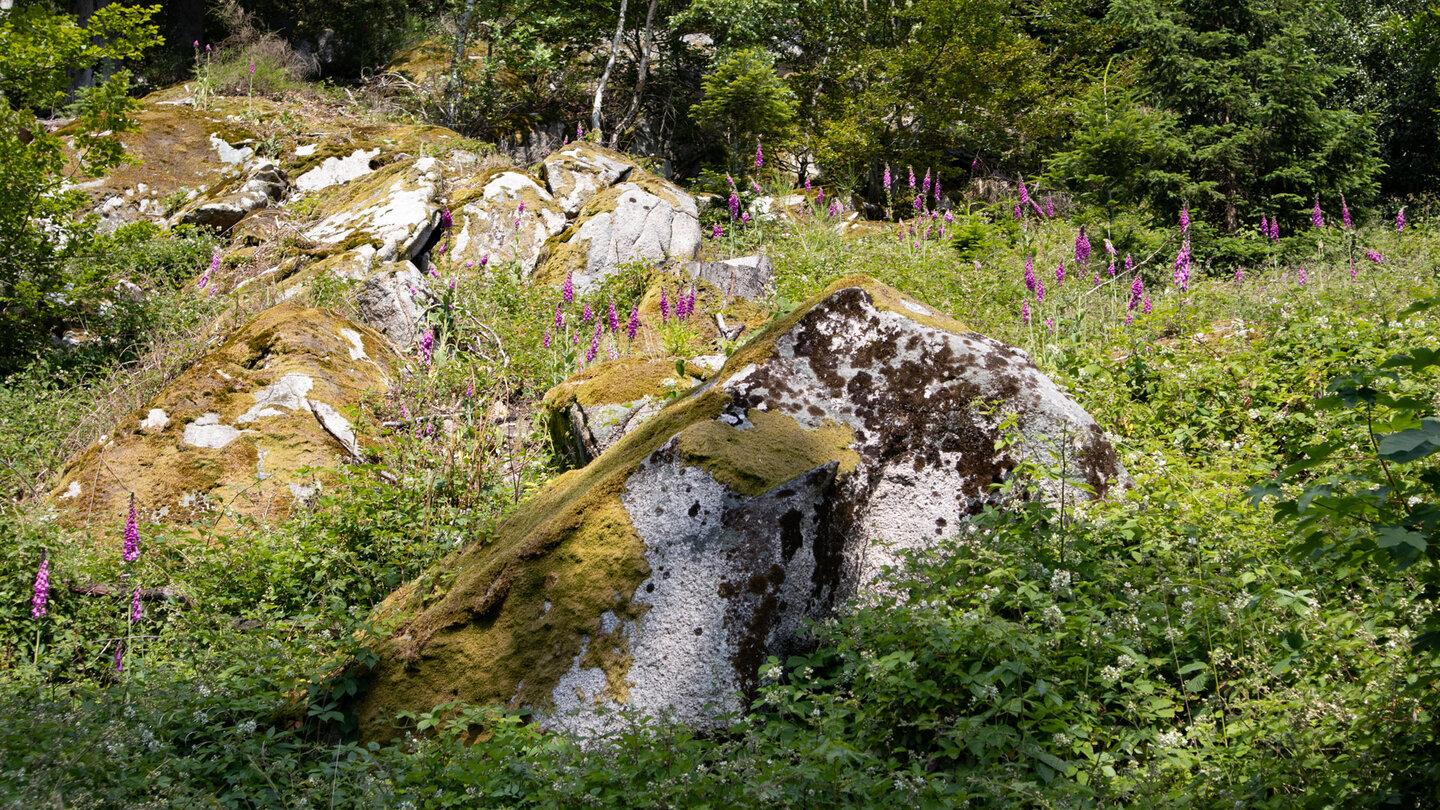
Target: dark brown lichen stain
(791,534)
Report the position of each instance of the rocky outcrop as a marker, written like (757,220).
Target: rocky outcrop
(644,218)
(749,277)
(394,210)
(393,300)
(500,216)
(231,434)
(266,183)
(662,574)
(579,171)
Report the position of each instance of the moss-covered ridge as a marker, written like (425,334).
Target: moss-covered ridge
(502,622)
(232,432)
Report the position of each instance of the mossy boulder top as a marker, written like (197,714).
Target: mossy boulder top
(230,435)
(645,218)
(660,576)
(500,216)
(394,210)
(578,171)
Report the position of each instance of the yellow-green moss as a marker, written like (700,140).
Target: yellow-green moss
(624,380)
(160,469)
(774,450)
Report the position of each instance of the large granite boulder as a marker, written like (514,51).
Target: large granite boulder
(748,277)
(224,207)
(393,300)
(230,435)
(500,216)
(579,171)
(644,218)
(659,577)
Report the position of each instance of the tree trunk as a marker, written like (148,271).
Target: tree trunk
(642,74)
(605,77)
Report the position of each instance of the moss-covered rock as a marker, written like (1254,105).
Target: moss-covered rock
(645,219)
(661,576)
(594,409)
(231,434)
(394,210)
(501,215)
(579,171)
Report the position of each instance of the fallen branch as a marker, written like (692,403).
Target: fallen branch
(165,594)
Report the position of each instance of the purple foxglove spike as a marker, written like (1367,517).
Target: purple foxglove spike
(40,595)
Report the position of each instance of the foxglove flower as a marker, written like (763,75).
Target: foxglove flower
(759,155)
(119,649)
(1112,267)
(470,389)
(1145,308)
(1345,214)
(1060,274)
(734,205)
(664,306)
(1039,291)
(1110,250)
(1275,229)
(1353,272)
(1375,257)
(404,412)
(546,341)
(1400,220)
(568,293)
(1264,226)
(446,221)
(1239,275)
(559,317)
(40,596)
(937,189)
(807,185)
(1303,275)
(484,260)
(1030,273)
(1049,207)
(925,184)
(745,218)
(912,178)
(1082,248)
(594,349)
(919,203)
(730,180)
(579,132)
(717,231)
(755,186)
(1129,263)
(949,217)
(587,314)
(1025,312)
(1184,218)
(1050,324)
(135,607)
(833,211)
(1137,291)
(886,180)
(1017,212)
(634,325)
(1317,220)
(613,317)
(610,352)
(131,550)
(427,346)
(1024,193)
(820,196)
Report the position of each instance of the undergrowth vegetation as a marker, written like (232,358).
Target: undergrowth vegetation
(1181,643)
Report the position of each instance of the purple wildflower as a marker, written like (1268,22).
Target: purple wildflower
(820,196)
(119,649)
(568,293)
(427,346)
(1082,248)
(445,219)
(919,203)
(1353,272)
(949,217)
(559,316)
(610,352)
(755,186)
(1316,218)
(579,132)
(546,341)
(886,179)
(1264,226)
(634,325)
(1129,263)
(484,260)
(1050,324)
(745,218)
(1039,290)
(1239,275)
(404,412)
(664,306)
(734,205)
(587,314)
(1377,258)
(135,607)
(41,594)
(131,549)
(1049,207)
(1303,275)
(833,211)
(1024,193)
(717,231)
(1185,218)
(1275,228)
(470,389)
(252,66)
(1025,311)
(1137,291)
(1112,267)
(613,317)
(925,184)
(937,189)
(912,178)
(1400,220)
(1060,274)
(1345,214)
(759,155)
(1030,273)
(594,345)
(1145,308)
